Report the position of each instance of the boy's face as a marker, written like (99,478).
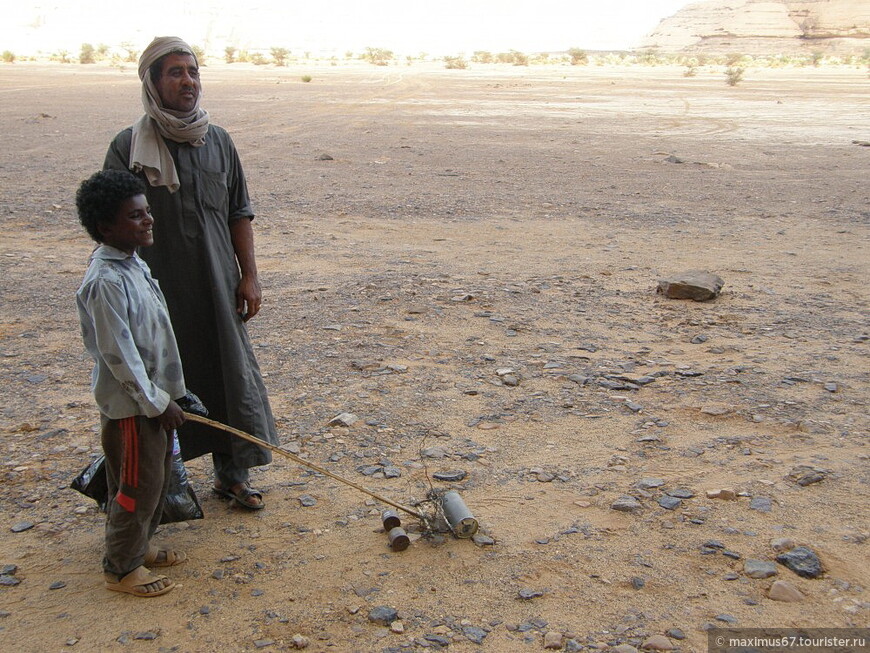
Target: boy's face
(179,86)
(131,227)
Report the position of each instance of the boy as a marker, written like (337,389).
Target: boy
(137,375)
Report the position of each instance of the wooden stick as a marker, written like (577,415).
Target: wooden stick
(301,461)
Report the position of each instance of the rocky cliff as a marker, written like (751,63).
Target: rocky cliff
(766,27)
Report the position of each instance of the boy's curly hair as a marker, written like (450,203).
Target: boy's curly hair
(100,196)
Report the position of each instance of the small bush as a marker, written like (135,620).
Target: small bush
(455,63)
(199,53)
(690,71)
(87,54)
(733,75)
(578,57)
(279,56)
(8,56)
(306,78)
(230,54)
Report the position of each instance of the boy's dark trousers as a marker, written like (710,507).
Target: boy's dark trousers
(138,463)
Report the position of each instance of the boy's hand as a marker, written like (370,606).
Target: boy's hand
(172,417)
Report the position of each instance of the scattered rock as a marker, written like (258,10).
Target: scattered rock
(299,641)
(781,544)
(692,284)
(553,640)
(22,526)
(784,591)
(383,615)
(658,643)
(762,504)
(670,503)
(451,476)
(474,634)
(759,568)
(803,561)
(626,503)
(805,475)
(343,419)
(722,493)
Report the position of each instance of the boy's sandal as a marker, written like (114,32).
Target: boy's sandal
(156,557)
(140,582)
(243,495)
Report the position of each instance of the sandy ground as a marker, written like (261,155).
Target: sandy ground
(470,222)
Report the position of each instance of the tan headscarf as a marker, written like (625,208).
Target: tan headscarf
(148,152)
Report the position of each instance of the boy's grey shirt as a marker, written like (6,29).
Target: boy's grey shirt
(126,329)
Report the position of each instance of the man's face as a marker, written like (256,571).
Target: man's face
(179,86)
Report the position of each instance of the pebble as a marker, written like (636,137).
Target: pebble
(527,594)
(759,568)
(481,539)
(450,476)
(725,494)
(553,640)
(626,503)
(784,591)
(474,634)
(726,618)
(307,500)
(762,504)
(681,493)
(343,419)
(675,633)
(670,503)
(22,526)
(383,615)
(650,483)
(300,641)
(57,585)
(781,544)
(658,643)
(803,561)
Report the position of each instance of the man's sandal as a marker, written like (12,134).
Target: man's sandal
(156,557)
(244,495)
(140,582)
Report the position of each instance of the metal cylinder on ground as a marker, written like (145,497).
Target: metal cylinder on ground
(390,520)
(399,540)
(457,514)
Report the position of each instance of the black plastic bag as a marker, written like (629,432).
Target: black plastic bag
(181,502)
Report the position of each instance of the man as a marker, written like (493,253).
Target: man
(203,256)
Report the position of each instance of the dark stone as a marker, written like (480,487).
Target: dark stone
(670,503)
(453,476)
(22,526)
(803,561)
(57,585)
(680,493)
(527,594)
(383,615)
(475,634)
(307,500)
(762,504)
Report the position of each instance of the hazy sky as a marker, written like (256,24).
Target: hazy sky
(404,26)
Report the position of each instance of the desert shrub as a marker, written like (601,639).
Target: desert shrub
(733,75)
(520,59)
(578,57)
(132,55)
(378,56)
(279,56)
(690,71)
(199,53)
(482,56)
(733,59)
(817,58)
(306,78)
(455,63)
(258,59)
(8,56)
(230,54)
(87,54)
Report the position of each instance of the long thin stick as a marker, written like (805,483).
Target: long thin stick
(301,461)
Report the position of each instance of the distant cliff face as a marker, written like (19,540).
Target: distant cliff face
(766,27)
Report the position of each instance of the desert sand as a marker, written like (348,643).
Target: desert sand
(467,261)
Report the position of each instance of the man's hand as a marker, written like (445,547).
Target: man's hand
(172,417)
(249,297)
